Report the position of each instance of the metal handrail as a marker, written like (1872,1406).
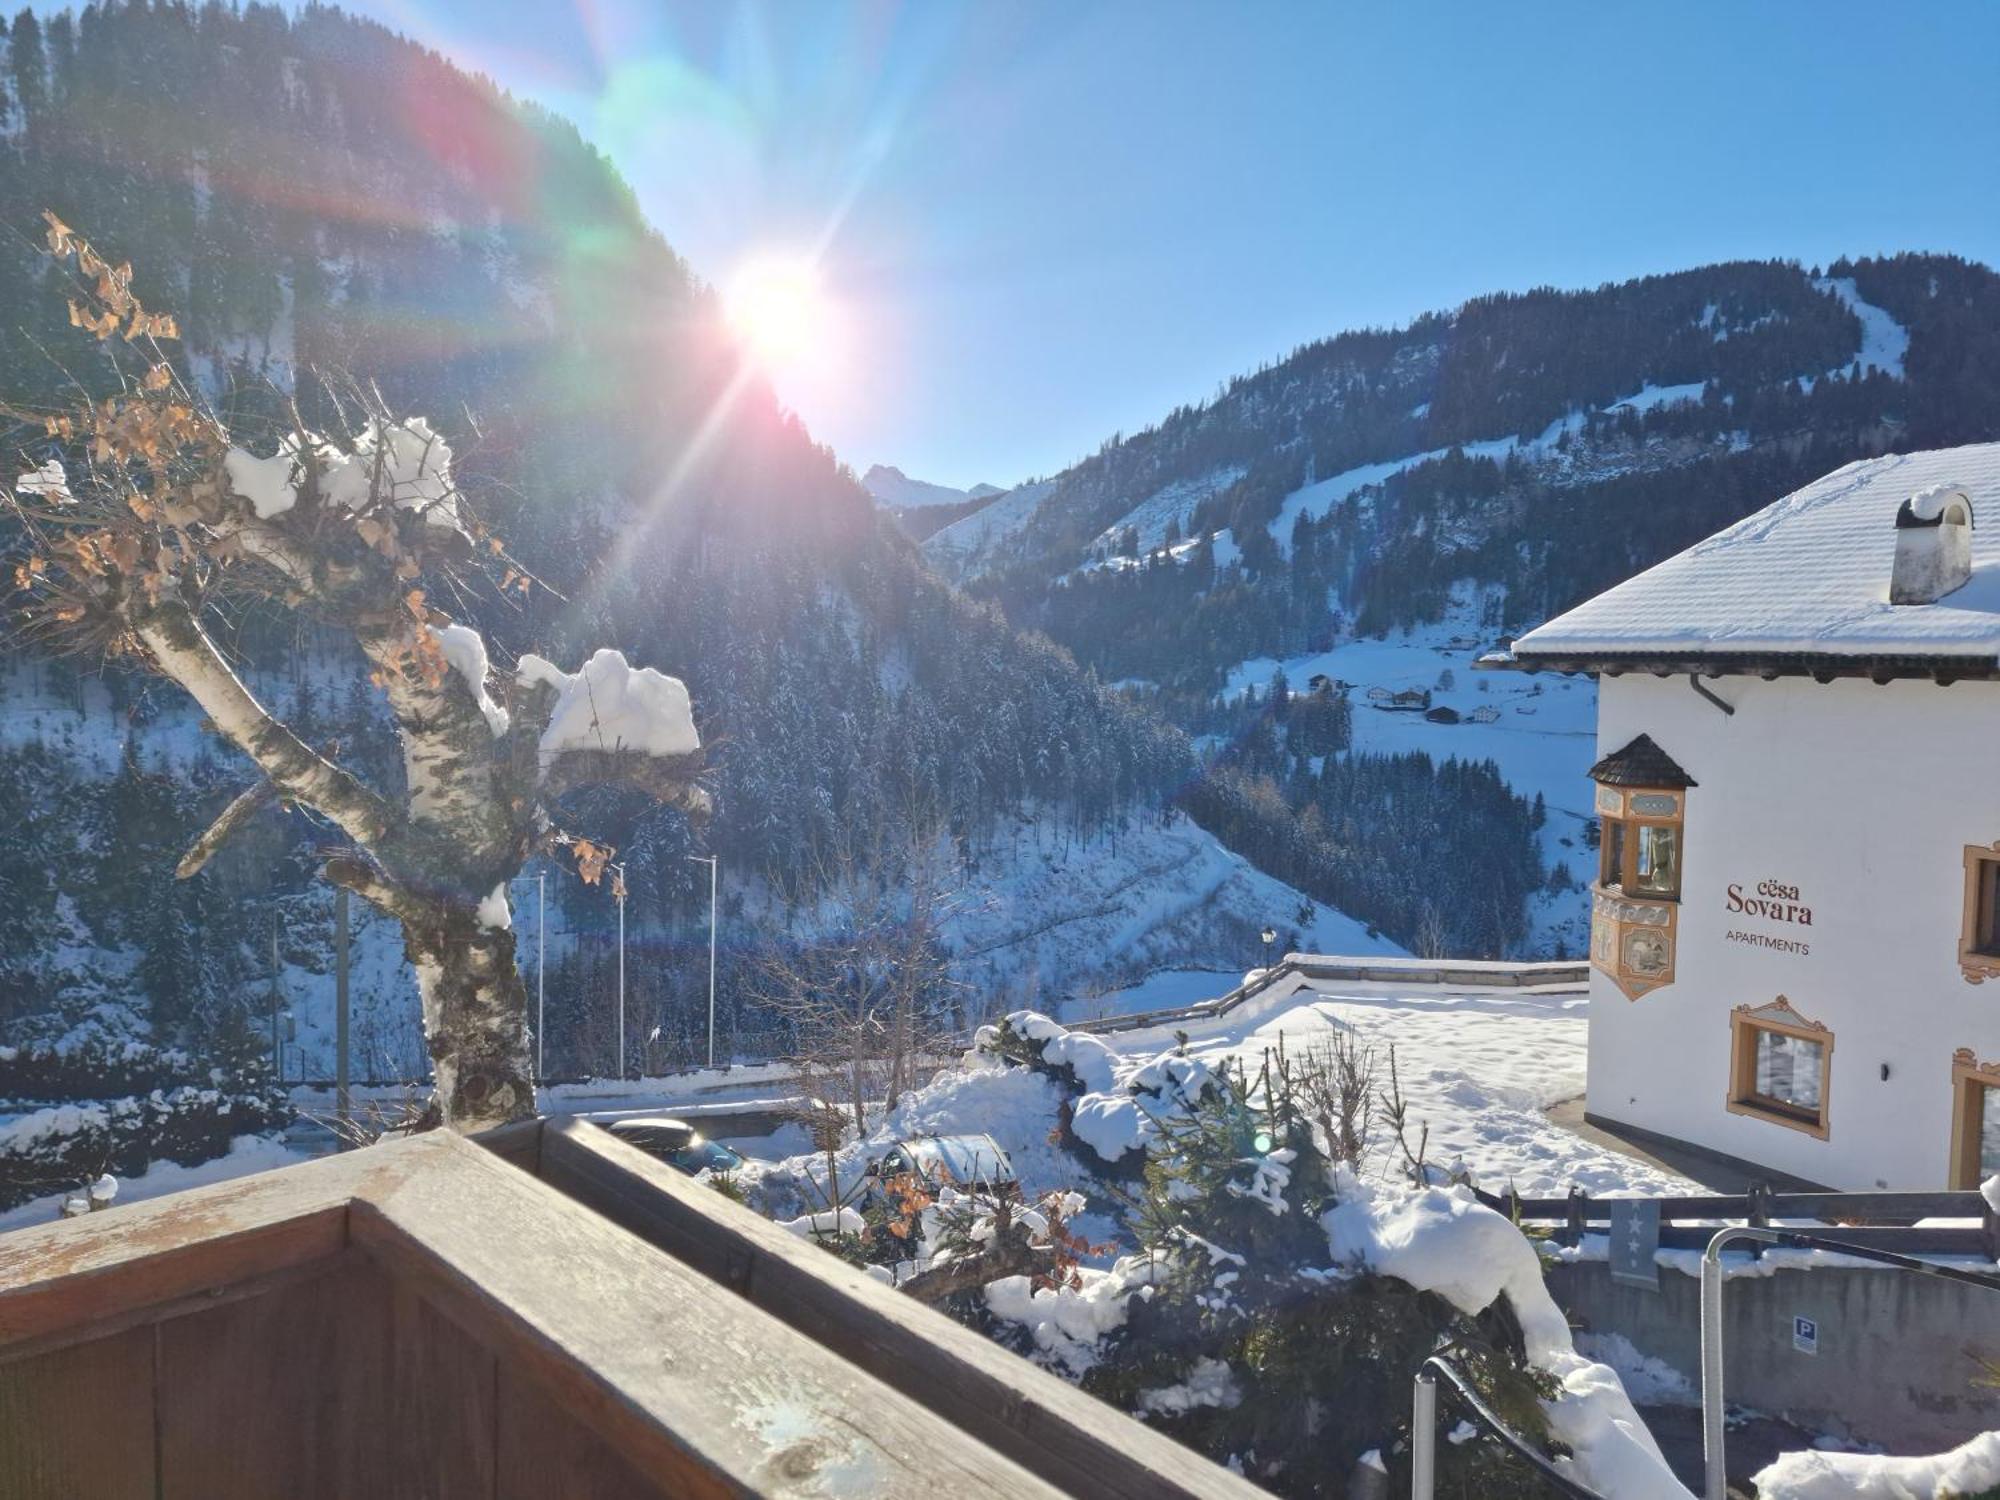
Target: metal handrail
(1423,1433)
(1715,1475)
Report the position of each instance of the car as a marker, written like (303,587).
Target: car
(935,1160)
(676,1143)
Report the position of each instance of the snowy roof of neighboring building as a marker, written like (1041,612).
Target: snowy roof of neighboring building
(1802,583)
(1641,763)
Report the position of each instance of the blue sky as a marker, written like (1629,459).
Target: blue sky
(1038,224)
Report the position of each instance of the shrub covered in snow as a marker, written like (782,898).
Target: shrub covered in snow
(1281,1307)
(70,1114)
(1106,1121)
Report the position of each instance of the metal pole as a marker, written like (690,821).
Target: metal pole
(277,1047)
(1423,1436)
(541,967)
(621,969)
(714,863)
(714,877)
(1715,1469)
(342,1100)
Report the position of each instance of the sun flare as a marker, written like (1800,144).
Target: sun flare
(778,309)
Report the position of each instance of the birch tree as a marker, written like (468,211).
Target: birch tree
(146,523)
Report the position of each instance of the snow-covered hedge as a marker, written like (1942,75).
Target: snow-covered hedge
(68,1115)
(1105,1118)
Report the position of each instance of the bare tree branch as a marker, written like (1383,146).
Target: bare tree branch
(181,649)
(242,807)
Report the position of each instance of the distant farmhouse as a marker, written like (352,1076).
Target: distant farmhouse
(1797,903)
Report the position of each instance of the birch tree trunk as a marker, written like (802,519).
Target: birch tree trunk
(167,523)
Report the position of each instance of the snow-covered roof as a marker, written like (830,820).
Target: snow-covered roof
(1805,577)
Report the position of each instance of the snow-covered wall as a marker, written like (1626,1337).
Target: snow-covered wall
(1863,797)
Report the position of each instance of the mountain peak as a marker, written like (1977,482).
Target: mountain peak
(892,487)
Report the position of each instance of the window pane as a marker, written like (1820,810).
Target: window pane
(1987,938)
(1788,1070)
(1612,872)
(1988,1102)
(1659,869)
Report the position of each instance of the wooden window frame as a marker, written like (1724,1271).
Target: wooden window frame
(1975,965)
(1779,1016)
(1974,1086)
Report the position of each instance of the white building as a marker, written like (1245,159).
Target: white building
(1798,896)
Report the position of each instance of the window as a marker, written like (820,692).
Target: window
(1979,929)
(1656,865)
(1975,1120)
(1781,1066)
(1642,858)
(1611,865)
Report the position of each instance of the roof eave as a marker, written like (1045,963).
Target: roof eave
(1821,666)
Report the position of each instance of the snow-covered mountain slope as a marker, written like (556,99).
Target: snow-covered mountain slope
(961,547)
(1048,919)
(1170,507)
(1379,503)
(1043,915)
(1729,366)
(1540,731)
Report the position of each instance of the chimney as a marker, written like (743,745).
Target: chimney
(1933,545)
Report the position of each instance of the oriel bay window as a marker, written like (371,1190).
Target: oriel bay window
(1641,807)
(1780,1066)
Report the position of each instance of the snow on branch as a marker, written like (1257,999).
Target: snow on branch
(396,462)
(465,651)
(611,705)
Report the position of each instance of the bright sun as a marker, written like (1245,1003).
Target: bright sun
(778,308)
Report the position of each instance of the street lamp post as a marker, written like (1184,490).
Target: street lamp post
(541,969)
(714,864)
(618,890)
(1270,937)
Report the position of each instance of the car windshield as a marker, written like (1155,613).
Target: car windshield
(705,1156)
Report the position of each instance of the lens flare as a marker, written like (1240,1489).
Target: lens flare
(778,309)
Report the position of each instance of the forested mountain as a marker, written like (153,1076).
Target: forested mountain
(321,200)
(1550,443)
(1402,494)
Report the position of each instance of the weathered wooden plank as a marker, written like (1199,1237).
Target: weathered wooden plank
(701,1392)
(1070,1439)
(286,1394)
(442,1394)
(81,1272)
(519,1143)
(79,1422)
(546,1454)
